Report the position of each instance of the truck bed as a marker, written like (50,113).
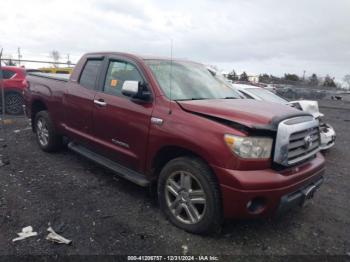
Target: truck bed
(50,89)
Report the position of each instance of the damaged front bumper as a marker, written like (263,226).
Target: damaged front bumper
(300,196)
(328,136)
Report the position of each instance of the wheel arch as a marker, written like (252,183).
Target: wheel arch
(37,105)
(170,152)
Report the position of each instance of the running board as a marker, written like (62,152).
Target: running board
(120,170)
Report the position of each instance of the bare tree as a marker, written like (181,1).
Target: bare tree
(55,55)
(7,60)
(347,80)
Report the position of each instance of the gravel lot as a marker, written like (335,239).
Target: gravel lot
(104,214)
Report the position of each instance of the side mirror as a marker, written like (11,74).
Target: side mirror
(130,88)
(136,90)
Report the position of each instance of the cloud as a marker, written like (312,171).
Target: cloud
(257,36)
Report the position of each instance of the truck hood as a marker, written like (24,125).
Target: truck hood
(249,113)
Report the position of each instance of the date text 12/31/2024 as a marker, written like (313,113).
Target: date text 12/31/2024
(173,258)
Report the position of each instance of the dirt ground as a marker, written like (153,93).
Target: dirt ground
(104,214)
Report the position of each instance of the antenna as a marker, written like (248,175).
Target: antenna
(171,74)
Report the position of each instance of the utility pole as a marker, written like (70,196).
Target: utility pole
(68,61)
(304,75)
(4,159)
(19,55)
(2,91)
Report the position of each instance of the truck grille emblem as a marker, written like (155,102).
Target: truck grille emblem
(308,141)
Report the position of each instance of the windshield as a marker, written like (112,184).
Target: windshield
(266,95)
(189,81)
(219,77)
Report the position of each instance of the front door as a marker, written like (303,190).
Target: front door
(121,125)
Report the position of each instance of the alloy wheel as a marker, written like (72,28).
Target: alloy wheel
(185,197)
(42,132)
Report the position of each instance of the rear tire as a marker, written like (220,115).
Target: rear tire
(47,137)
(14,103)
(189,195)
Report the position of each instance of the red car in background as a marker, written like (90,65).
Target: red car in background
(14,82)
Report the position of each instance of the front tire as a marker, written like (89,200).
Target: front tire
(46,135)
(189,195)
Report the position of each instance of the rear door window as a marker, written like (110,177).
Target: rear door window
(7,74)
(90,73)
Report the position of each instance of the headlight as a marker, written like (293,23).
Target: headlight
(250,147)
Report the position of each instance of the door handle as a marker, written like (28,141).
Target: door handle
(100,102)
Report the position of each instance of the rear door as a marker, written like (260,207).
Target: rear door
(79,101)
(121,125)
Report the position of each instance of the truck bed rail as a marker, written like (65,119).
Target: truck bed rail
(58,77)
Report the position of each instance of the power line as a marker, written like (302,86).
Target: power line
(37,61)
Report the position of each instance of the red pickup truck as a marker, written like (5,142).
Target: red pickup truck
(171,123)
(14,82)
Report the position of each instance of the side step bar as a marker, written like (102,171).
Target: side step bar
(124,172)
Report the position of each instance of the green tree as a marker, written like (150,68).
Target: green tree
(329,82)
(291,77)
(232,75)
(264,78)
(10,63)
(243,77)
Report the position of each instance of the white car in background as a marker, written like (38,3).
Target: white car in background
(327,132)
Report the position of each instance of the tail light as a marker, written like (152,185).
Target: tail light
(25,83)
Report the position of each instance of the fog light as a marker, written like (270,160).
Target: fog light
(256,205)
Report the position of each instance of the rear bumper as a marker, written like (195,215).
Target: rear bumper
(260,193)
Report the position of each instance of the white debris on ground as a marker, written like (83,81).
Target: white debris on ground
(26,232)
(54,237)
(20,130)
(184,250)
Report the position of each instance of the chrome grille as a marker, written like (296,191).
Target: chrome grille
(297,139)
(298,148)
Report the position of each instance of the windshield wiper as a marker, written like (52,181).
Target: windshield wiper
(192,98)
(230,97)
(205,98)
